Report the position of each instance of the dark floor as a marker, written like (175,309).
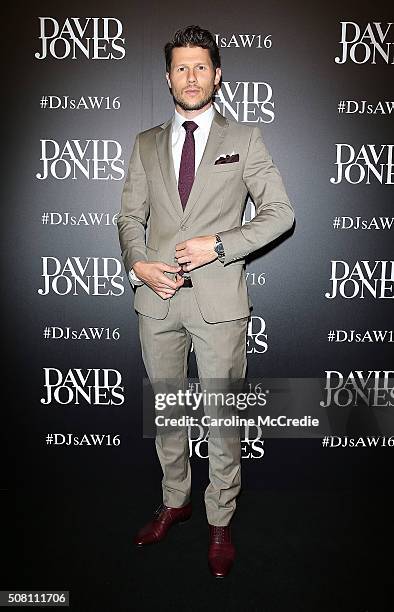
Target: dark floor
(296,551)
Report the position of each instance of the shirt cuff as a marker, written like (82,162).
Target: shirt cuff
(134,280)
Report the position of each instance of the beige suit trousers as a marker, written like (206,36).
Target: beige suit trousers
(220,350)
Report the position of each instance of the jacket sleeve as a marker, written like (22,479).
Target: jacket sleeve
(134,212)
(274,212)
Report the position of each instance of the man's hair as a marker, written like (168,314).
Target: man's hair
(193,36)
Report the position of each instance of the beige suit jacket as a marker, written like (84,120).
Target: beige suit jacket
(151,221)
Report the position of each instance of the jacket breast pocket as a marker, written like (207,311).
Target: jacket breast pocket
(219,168)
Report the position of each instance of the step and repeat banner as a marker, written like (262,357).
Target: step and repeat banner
(87,80)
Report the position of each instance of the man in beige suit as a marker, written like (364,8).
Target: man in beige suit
(183,245)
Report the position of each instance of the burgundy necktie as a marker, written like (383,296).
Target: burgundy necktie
(186,169)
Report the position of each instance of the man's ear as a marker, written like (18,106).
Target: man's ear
(168,79)
(218,76)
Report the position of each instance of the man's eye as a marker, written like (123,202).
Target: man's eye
(201,67)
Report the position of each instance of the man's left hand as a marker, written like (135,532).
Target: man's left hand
(195,252)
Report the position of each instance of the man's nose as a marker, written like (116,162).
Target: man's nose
(191,77)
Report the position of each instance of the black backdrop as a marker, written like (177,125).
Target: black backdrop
(291,317)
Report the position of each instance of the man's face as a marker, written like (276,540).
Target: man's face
(192,78)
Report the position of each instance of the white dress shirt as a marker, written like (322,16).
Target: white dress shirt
(178,134)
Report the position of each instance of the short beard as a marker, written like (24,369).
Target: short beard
(197,105)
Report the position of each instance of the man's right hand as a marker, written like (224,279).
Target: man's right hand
(152,274)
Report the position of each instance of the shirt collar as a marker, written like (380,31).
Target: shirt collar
(203,120)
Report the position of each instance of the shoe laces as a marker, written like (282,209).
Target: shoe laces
(159,510)
(220,535)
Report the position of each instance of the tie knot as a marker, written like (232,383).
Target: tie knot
(190,126)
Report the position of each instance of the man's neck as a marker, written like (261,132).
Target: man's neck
(190,114)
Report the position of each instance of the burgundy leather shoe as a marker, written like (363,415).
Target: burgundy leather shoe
(221,552)
(163,518)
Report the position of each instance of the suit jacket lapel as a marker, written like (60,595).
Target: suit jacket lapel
(164,151)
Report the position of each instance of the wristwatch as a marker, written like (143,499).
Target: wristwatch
(219,249)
